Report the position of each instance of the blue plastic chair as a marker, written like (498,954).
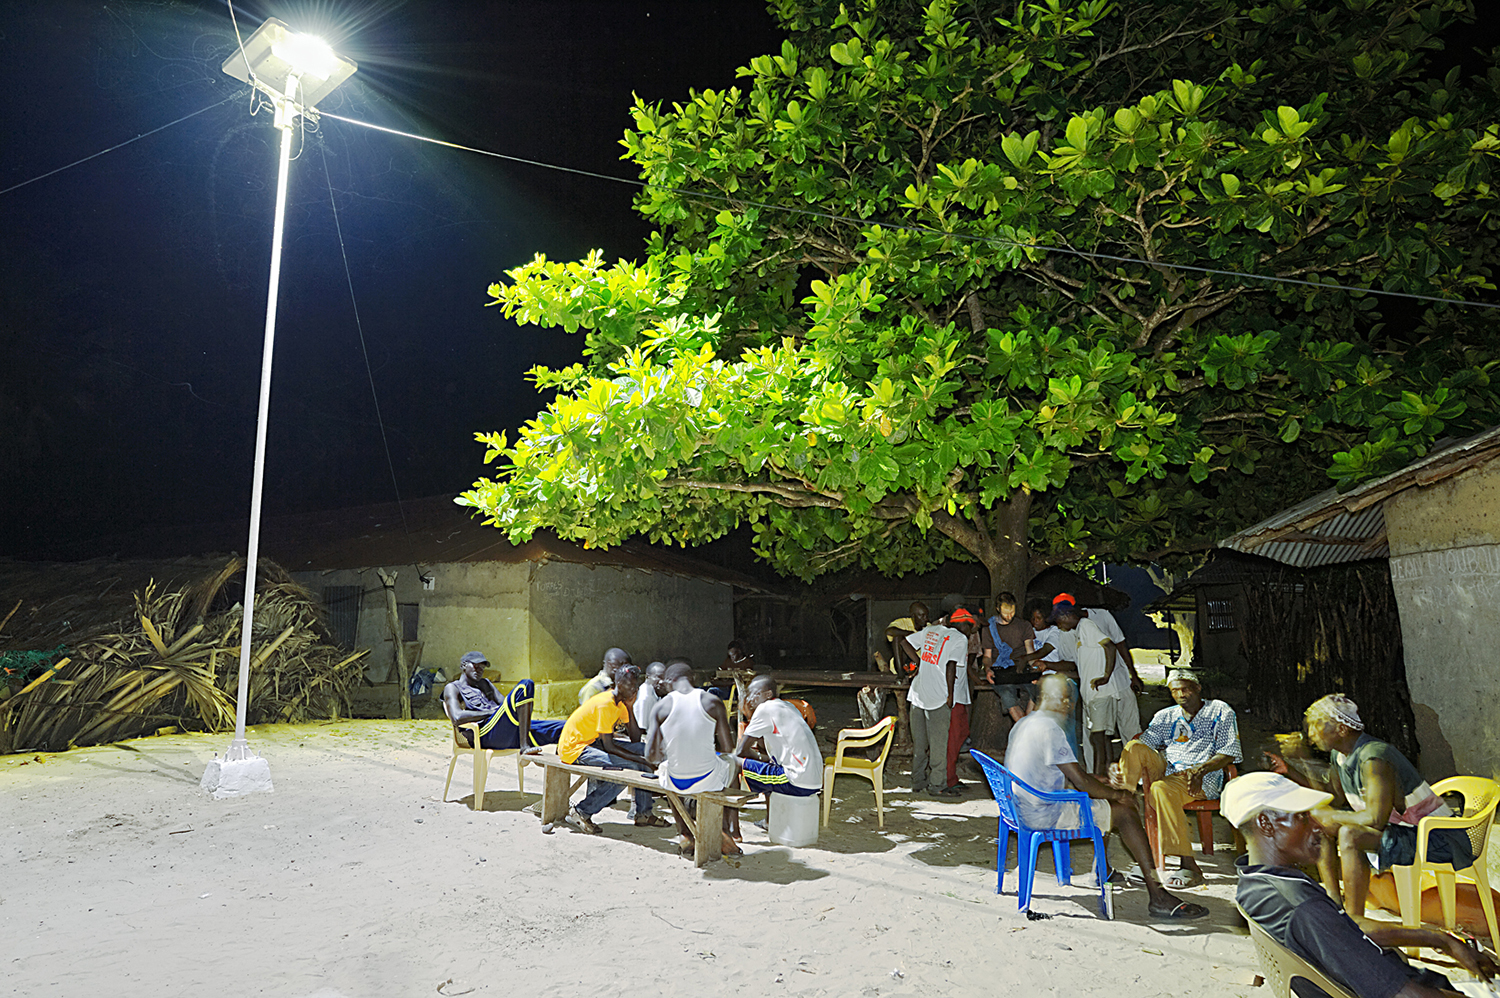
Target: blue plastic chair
(1029,840)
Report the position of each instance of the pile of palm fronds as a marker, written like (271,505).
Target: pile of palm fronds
(176,663)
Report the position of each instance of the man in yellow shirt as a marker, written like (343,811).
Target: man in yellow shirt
(588,739)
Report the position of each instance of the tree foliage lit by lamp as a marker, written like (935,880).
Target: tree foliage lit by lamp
(295,71)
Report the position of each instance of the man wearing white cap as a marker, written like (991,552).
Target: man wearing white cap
(1274,815)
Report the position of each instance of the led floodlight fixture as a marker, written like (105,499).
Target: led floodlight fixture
(275,54)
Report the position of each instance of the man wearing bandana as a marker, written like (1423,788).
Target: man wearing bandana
(1378,798)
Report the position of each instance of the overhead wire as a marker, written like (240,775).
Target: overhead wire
(369,371)
(119,145)
(737,201)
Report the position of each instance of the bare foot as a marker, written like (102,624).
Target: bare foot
(729,847)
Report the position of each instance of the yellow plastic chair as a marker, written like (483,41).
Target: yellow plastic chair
(1281,965)
(481,762)
(872,770)
(1480,798)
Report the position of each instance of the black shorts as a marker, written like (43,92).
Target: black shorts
(1398,847)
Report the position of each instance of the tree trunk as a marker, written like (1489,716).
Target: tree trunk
(1001,547)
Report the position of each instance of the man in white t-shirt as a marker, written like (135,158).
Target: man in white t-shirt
(942,653)
(1104,682)
(1111,629)
(778,753)
(1039,756)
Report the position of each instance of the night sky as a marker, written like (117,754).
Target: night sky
(132,312)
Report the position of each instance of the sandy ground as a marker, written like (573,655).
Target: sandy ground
(354,879)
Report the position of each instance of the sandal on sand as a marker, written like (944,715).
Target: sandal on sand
(1183,910)
(651,821)
(1181,880)
(686,849)
(581,821)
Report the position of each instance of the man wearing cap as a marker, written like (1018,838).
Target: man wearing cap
(1281,834)
(1380,797)
(1184,750)
(503,723)
(942,652)
(963,620)
(1105,685)
(1039,756)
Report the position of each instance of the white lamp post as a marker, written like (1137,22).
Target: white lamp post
(295,72)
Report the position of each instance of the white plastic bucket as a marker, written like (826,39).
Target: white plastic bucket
(793,821)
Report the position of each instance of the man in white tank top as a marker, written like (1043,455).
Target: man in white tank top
(689,737)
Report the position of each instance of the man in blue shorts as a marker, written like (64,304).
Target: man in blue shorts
(778,752)
(503,723)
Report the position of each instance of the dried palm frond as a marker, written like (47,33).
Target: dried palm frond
(177,662)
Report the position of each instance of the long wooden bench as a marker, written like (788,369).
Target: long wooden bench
(557,788)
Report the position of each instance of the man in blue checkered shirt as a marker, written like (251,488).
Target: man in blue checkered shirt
(1184,750)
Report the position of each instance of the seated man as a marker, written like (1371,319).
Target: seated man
(1185,750)
(503,724)
(1381,797)
(778,752)
(588,739)
(686,728)
(1272,813)
(1039,755)
(605,677)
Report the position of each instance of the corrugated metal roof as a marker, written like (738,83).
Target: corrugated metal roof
(1333,527)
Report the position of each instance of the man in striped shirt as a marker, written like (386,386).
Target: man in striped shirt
(1185,750)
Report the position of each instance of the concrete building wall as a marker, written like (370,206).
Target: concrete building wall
(550,622)
(580,611)
(1445,568)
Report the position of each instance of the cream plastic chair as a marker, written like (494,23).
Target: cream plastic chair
(481,762)
(1480,798)
(1281,965)
(874,771)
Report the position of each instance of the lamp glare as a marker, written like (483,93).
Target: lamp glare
(308,55)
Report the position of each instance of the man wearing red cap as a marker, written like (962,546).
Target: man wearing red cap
(942,656)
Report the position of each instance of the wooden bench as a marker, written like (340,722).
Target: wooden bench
(557,788)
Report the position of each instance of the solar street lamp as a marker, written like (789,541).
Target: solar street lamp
(295,71)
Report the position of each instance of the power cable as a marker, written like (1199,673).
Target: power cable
(369,372)
(119,145)
(907,227)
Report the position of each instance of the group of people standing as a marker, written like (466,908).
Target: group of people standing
(655,721)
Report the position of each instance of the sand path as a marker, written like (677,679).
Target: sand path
(353,879)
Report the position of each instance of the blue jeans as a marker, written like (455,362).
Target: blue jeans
(601,794)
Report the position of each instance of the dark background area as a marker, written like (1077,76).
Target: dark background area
(133,303)
(133,296)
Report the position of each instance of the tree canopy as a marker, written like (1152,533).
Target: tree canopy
(968,279)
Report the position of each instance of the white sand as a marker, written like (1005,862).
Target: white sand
(354,879)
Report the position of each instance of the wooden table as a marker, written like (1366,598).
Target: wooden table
(837,680)
(557,788)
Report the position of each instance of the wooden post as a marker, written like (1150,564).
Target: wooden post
(393,618)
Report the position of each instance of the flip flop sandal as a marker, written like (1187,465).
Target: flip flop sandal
(1181,880)
(1183,911)
(651,821)
(581,822)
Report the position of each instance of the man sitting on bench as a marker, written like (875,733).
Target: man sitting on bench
(588,739)
(686,728)
(778,751)
(503,723)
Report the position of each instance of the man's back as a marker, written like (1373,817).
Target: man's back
(1036,750)
(687,733)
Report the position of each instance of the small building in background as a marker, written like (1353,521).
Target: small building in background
(1435,525)
(546,610)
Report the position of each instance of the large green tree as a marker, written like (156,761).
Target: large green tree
(960,280)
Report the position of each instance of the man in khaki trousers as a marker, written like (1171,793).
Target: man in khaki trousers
(1184,750)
